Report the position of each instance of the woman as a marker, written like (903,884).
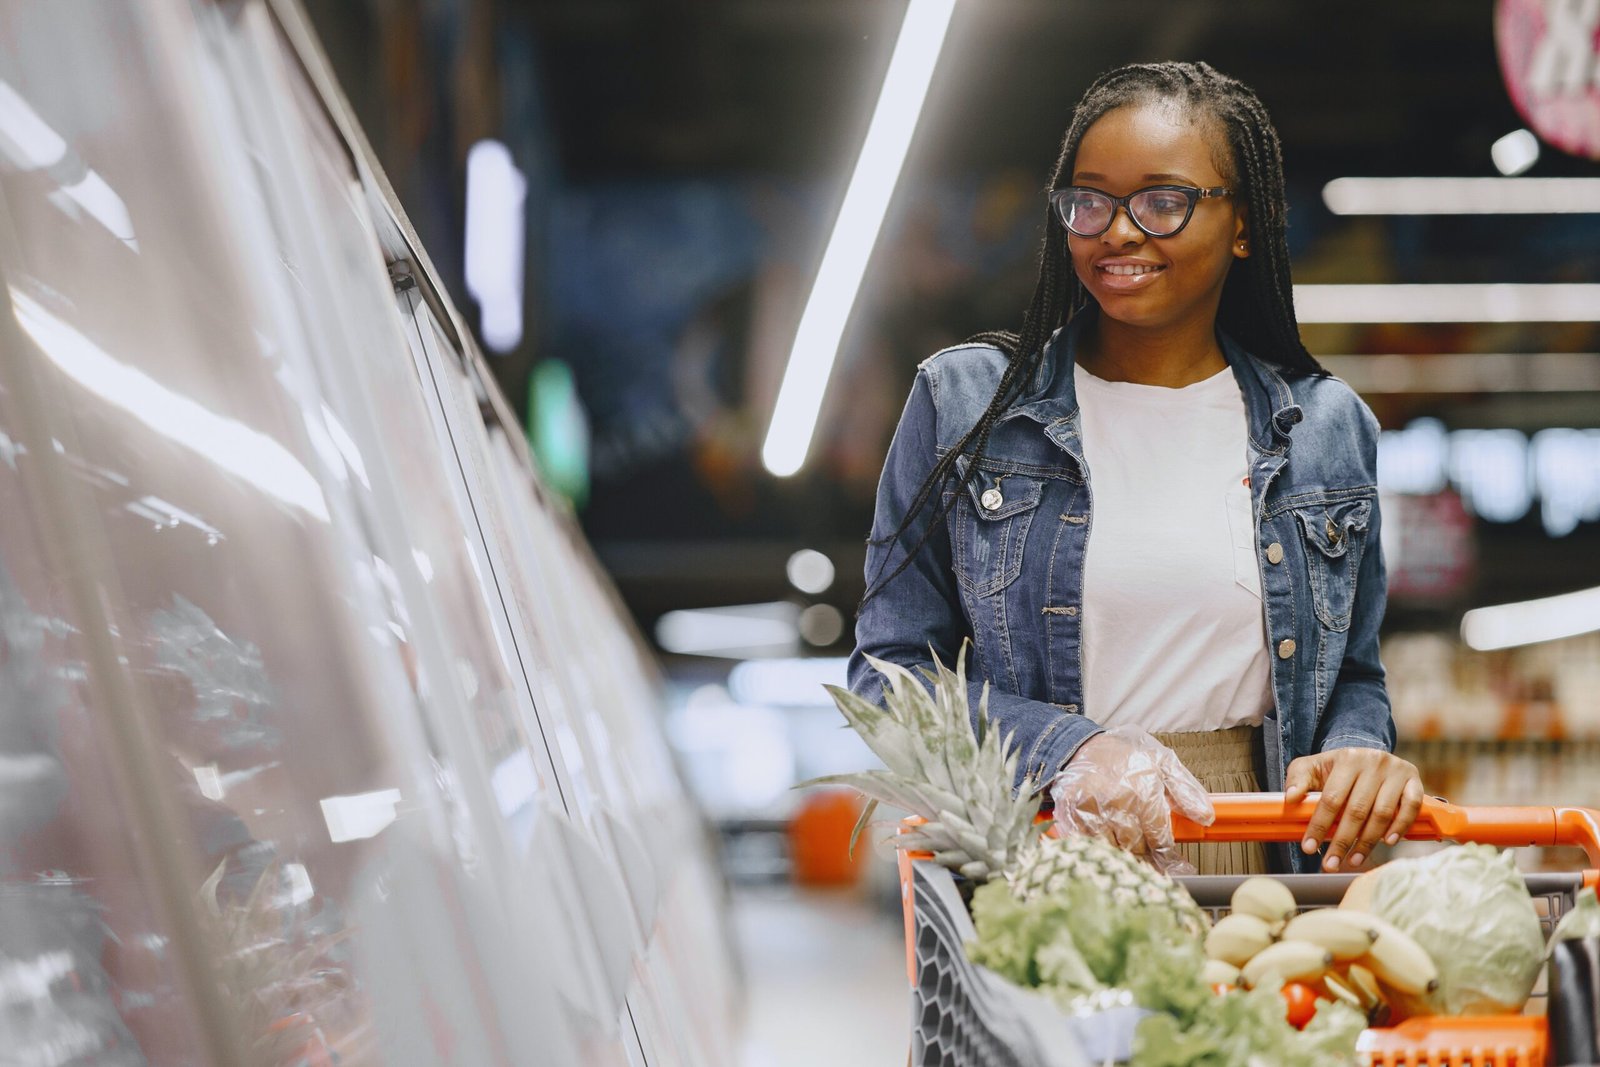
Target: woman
(1222,583)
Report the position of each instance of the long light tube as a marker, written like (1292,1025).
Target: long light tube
(493,251)
(816,343)
(1463,196)
(1532,621)
(1497,302)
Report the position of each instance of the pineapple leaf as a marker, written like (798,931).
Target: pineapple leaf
(861,824)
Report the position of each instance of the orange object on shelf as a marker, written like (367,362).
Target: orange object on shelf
(819,838)
(1481,1041)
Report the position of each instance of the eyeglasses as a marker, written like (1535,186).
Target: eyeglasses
(1158,210)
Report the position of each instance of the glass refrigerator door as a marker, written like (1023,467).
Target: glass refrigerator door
(229,765)
(481,715)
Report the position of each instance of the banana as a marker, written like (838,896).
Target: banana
(1235,938)
(1266,898)
(1397,960)
(1362,981)
(1346,934)
(1219,972)
(1287,961)
(1340,987)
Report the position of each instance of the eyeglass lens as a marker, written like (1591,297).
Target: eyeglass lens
(1159,212)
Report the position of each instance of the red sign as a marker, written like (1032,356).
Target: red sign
(1429,547)
(1550,58)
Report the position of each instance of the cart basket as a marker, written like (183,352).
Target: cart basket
(963,1016)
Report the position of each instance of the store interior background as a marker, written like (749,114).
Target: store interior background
(682,162)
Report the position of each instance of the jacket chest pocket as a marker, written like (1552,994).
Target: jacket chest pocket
(991,524)
(1335,536)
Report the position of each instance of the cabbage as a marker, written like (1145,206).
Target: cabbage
(1469,908)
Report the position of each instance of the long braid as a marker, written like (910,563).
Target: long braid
(1257,306)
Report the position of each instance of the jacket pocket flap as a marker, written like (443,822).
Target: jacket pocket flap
(1331,526)
(999,495)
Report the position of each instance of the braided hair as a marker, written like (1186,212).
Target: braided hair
(1256,309)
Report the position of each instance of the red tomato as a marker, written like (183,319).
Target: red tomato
(1302,1003)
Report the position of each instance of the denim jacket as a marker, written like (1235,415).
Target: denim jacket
(1010,575)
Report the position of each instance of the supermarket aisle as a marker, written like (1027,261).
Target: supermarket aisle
(826,977)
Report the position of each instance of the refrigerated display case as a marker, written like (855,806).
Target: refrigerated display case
(282,769)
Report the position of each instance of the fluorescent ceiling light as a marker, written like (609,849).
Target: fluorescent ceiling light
(231,445)
(1462,196)
(816,343)
(496,192)
(740,632)
(1469,372)
(1532,621)
(1447,303)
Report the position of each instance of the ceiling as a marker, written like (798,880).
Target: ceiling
(664,87)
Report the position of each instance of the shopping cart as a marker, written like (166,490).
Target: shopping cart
(964,1016)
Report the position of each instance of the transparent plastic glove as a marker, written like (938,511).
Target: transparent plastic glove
(1123,785)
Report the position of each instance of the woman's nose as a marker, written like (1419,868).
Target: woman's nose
(1122,230)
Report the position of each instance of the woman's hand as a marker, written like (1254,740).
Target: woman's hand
(1374,795)
(1123,785)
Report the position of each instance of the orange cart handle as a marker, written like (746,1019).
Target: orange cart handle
(1265,817)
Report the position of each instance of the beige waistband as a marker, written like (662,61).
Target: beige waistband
(1223,760)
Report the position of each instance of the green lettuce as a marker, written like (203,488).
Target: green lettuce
(1247,1028)
(1072,944)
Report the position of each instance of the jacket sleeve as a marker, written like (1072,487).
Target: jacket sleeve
(920,612)
(1358,714)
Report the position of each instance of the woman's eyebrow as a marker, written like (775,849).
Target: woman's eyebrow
(1091,176)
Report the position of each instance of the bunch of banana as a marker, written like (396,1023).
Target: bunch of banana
(1343,953)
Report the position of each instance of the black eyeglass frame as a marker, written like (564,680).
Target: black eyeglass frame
(1058,201)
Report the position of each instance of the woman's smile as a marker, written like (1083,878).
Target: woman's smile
(1124,274)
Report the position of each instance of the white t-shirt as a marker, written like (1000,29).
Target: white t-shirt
(1173,631)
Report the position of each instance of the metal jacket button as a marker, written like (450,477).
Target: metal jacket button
(1275,553)
(1286,648)
(992,499)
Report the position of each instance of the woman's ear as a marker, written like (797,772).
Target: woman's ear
(1241,235)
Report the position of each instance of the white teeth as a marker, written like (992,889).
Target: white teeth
(1120,268)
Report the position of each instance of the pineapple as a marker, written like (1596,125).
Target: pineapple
(1049,865)
(939,768)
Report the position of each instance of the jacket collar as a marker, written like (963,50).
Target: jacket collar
(1052,396)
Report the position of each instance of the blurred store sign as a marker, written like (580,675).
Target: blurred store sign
(1499,473)
(1428,546)
(1550,58)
